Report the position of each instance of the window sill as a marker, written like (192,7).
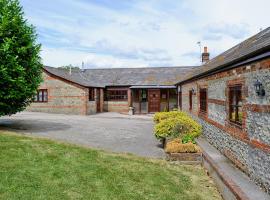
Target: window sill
(202,114)
(117,100)
(235,125)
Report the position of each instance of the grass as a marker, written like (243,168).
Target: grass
(34,168)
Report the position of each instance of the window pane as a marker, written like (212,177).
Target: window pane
(116,95)
(40,95)
(232,109)
(240,115)
(203,100)
(235,104)
(144,95)
(45,95)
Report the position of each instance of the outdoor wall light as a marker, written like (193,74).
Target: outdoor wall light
(259,88)
(193,91)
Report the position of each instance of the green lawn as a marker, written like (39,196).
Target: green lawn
(32,168)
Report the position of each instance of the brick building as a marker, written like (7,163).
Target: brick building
(230,96)
(90,91)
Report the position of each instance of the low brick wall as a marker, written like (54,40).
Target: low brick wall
(91,107)
(193,158)
(116,106)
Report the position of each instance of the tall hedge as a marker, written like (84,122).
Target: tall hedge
(20,63)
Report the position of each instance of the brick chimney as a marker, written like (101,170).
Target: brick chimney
(205,55)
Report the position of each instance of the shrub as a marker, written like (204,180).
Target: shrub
(176,146)
(166,128)
(188,138)
(176,124)
(158,117)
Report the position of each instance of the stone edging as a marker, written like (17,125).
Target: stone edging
(235,189)
(185,157)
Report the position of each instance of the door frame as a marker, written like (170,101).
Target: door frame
(98,110)
(150,90)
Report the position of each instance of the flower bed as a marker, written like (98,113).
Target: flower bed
(178,151)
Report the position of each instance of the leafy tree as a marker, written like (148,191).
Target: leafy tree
(20,63)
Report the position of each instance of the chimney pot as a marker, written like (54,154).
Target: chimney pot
(205,55)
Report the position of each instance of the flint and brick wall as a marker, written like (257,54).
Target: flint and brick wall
(249,146)
(63,98)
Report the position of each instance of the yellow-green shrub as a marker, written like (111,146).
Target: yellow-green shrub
(176,124)
(158,117)
(166,128)
(176,146)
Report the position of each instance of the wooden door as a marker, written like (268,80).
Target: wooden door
(98,99)
(190,100)
(154,100)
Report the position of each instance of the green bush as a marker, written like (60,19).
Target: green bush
(176,124)
(187,139)
(158,117)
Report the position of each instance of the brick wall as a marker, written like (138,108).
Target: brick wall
(63,97)
(116,106)
(91,107)
(249,146)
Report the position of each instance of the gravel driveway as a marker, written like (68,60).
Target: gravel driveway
(109,131)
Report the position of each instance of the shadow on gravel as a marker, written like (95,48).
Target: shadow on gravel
(31,125)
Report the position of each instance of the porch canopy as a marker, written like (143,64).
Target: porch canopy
(153,98)
(153,87)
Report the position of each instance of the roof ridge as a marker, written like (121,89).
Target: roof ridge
(130,68)
(238,45)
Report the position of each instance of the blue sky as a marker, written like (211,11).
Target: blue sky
(138,33)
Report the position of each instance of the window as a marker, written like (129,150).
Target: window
(144,95)
(172,93)
(163,94)
(41,96)
(136,95)
(190,100)
(116,95)
(91,94)
(203,100)
(235,104)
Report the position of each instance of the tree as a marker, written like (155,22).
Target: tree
(20,63)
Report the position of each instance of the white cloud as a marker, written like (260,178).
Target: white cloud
(142,33)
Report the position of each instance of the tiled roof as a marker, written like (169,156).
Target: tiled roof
(123,76)
(259,43)
(256,43)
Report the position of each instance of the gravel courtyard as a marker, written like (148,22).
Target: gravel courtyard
(109,131)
